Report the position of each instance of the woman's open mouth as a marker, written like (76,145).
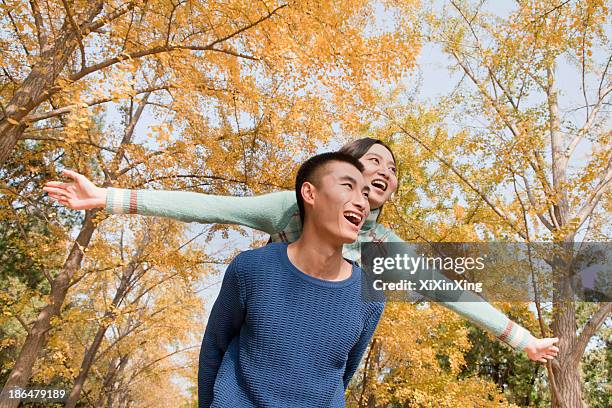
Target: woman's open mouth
(379,185)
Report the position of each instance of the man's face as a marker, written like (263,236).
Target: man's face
(340,202)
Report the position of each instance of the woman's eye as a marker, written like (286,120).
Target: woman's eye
(348,185)
(375,160)
(394,170)
(366,195)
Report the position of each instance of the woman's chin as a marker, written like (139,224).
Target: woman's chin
(376,203)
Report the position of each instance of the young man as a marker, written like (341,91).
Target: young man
(290,325)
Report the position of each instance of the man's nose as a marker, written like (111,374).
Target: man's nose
(361,202)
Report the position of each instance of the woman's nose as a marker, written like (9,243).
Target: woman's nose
(383,171)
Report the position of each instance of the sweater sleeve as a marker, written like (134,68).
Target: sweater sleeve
(474,308)
(269,213)
(224,323)
(356,353)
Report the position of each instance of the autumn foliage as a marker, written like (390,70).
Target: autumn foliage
(227,97)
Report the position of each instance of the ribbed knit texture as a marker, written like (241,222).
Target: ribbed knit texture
(277,337)
(277,214)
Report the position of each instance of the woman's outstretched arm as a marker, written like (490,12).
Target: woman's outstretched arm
(483,314)
(269,213)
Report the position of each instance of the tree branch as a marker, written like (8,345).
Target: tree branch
(253,24)
(41,32)
(603,76)
(77,30)
(595,196)
(95,25)
(224,51)
(480,49)
(22,322)
(169,48)
(583,72)
(533,202)
(35,117)
(492,205)
(511,126)
(137,372)
(589,330)
(17,33)
(590,121)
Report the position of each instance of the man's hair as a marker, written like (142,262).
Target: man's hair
(310,171)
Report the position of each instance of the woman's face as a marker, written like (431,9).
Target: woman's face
(380,174)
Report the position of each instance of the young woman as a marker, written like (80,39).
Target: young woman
(278,215)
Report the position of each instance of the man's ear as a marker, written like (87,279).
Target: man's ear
(308,193)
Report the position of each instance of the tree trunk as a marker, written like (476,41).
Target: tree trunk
(115,369)
(22,371)
(91,352)
(566,369)
(9,134)
(567,378)
(88,359)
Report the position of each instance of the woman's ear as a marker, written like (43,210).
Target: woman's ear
(308,193)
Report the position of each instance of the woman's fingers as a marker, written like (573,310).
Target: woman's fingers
(56,191)
(56,196)
(57,184)
(72,174)
(60,199)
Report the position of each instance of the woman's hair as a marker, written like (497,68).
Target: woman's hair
(357,148)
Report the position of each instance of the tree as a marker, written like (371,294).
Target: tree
(253,85)
(28,251)
(522,382)
(60,55)
(415,359)
(515,161)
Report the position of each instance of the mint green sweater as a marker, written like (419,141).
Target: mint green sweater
(277,214)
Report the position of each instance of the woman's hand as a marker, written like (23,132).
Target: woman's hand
(542,350)
(82,194)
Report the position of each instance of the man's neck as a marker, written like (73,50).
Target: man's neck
(318,257)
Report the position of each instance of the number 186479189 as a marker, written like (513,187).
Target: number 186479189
(34,394)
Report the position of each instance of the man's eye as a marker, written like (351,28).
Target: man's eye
(366,194)
(349,185)
(375,160)
(394,170)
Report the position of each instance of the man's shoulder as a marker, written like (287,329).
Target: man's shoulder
(259,256)
(374,298)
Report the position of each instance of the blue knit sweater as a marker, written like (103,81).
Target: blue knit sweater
(277,337)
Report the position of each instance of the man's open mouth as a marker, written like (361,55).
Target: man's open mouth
(353,217)
(380,184)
